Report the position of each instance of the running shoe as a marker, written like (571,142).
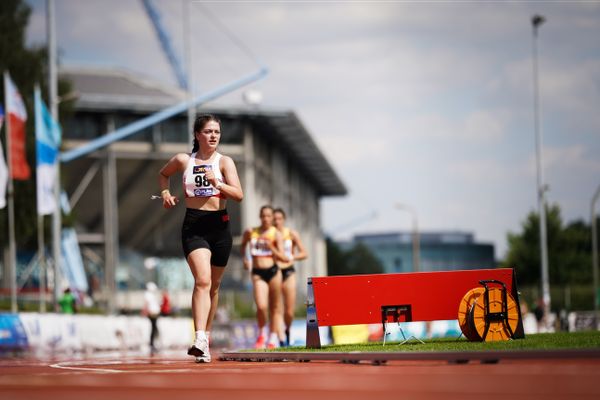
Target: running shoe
(204,358)
(199,348)
(260,342)
(273,343)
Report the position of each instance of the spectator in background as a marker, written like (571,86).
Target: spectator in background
(152,311)
(539,313)
(563,320)
(68,303)
(165,304)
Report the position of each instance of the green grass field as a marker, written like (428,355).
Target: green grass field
(544,341)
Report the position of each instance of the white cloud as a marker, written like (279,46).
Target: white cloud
(483,125)
(574,156)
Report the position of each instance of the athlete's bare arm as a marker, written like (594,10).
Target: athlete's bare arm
(232,187)
(301,254)
(245,240)
(176,164)
(277,248)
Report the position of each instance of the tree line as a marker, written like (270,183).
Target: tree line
(569,250)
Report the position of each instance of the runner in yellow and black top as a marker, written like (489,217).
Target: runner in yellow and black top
(294,251)
(266,249)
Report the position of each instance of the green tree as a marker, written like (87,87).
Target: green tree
(357,260)
(575,253)
(336,259)
(27,67)
(569,250)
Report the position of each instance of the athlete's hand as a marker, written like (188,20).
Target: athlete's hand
(210,176)
(274,249)
(269,243)
(170,201)
(247,264)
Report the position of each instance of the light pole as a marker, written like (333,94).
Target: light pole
(415,235)
(53,102)
(595,255)
(536,21)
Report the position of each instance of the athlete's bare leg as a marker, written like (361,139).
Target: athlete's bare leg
(275,310)
(216,274)
(199,262)
(261,298)
(289,300)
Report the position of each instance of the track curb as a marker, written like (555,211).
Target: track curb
(454,357)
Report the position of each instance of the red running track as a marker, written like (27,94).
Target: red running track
(169,377)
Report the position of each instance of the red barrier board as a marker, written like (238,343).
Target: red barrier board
(357,299)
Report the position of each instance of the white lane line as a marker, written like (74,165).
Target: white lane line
(93,366)
(103,370)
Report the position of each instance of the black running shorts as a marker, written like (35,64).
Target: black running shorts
(286,272)
(207,230)
(266,274)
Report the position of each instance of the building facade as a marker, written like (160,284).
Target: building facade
(438,251)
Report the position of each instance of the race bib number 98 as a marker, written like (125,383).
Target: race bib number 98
(203,187)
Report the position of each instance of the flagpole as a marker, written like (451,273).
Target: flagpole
(41,241)
(12,248)
(42,263)
(53,102)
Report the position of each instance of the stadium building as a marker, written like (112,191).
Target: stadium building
(125,237)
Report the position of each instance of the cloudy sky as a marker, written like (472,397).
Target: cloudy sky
(429,104)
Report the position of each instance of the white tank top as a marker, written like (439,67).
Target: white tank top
(259,246)
(195,183)
(288,242)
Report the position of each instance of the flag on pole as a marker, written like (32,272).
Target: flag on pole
(47,139)
(17,115)
(72,267)
(3,167)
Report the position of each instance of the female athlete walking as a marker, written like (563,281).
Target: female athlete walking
(209,179)
(266,248)
(294,250)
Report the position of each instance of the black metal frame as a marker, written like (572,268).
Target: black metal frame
(396,312)
(497,316)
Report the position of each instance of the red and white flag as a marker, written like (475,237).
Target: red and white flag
(16,115)
(3,168)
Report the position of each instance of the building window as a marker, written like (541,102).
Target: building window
(398,264)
